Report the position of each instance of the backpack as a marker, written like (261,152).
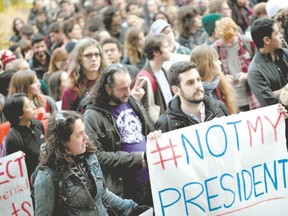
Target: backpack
(150,77)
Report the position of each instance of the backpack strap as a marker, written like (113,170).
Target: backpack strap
(248,45)
(150,77)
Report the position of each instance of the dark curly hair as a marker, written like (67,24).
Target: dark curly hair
(55,154)
(99,95)
(186,15)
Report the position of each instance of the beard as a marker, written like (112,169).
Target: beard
(193,100)
(118,100)
(40,55)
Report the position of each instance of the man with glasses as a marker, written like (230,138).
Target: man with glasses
(118,125)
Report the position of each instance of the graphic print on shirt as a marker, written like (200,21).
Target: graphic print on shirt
(130,127)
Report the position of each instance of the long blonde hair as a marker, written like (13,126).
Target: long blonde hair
(131,49)
(204,56)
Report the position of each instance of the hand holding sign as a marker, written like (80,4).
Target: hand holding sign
(234,165)
(154,135)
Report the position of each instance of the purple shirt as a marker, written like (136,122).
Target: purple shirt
(130,130)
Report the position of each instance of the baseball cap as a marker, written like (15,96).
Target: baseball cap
(7,56)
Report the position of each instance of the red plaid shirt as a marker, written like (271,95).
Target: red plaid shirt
(243,61)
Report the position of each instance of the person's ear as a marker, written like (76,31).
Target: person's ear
(108,89)
(156,53)
(175,90)
(266,40)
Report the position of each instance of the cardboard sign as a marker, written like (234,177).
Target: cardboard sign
(236,165)
(15,197)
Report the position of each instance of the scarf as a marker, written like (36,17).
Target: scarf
(209,87)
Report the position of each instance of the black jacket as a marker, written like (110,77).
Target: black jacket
(102,129)
(174,118)
(27,140)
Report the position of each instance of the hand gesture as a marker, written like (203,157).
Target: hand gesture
(138,91)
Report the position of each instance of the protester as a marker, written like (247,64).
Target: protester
(17,24)
(241,13)
(56,35)
(133,47)
(209,24)
(215,83)
(162,26)
(190,28)
(58,62)
(26,33)
(26,134)
(72,31)
(157,88)
(220,7)
(86,64)
(6,58)
(26,81)
(5,78)
(190,105)
(69,180)
(112,21)
(235,52)
(118,125)
(19,64)
(58,81)
(282,21)
(268,71)
(41,58)
(113,53)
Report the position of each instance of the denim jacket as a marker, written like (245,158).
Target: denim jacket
(70,196)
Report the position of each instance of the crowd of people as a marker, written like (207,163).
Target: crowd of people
(86,81)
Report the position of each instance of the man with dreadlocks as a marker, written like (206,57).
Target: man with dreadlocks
(118,125)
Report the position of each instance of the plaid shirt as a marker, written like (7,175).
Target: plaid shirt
(243,53)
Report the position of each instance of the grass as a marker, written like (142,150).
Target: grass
(7,16)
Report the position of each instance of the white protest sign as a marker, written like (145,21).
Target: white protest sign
(234,165)
(15,197)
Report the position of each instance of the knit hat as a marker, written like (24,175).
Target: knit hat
(27,29)
(208,22)
(274,6)
(158,26)
(6,57)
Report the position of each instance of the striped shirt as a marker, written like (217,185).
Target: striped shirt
(164,86)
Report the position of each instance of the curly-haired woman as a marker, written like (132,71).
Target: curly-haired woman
(70,180)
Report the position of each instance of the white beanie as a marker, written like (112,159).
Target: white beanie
(274,6)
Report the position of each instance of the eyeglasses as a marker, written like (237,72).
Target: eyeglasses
(90,55)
